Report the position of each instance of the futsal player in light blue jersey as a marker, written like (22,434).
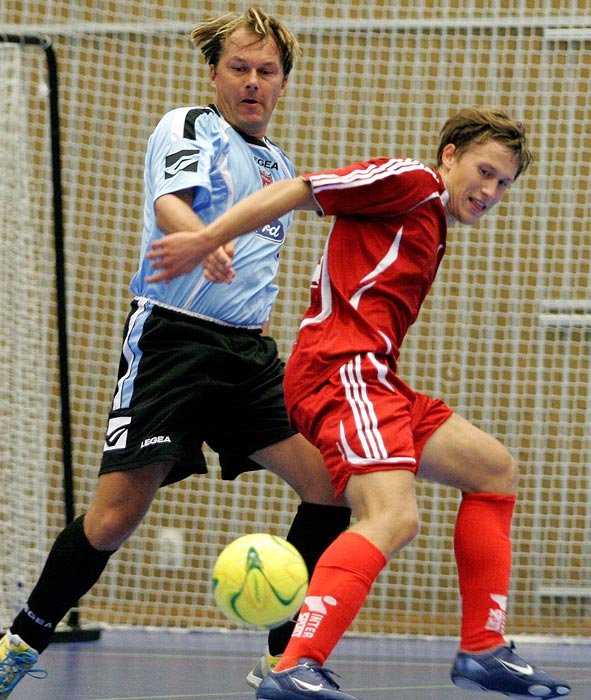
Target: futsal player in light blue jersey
(218,166)
(196,366)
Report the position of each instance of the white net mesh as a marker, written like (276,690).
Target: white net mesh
(26,324)
(504,337)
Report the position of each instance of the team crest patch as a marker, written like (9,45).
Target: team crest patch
(266,178)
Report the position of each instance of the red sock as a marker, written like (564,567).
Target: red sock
(339,586)
(482,546)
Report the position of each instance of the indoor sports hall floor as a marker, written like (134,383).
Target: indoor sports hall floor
(172,666)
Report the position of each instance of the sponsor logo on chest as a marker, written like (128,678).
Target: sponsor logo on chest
(273,232)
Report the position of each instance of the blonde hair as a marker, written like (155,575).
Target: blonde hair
(210,37)
(477,125)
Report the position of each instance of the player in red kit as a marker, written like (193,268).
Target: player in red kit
(376,433)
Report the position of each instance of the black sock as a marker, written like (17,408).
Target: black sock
(72,567)
(313,528)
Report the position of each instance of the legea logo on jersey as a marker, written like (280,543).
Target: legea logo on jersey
(116,438)
(272,232)
(186,160)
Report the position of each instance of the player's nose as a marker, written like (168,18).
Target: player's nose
(252,79)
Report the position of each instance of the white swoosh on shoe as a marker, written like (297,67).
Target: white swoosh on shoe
(302,685)
(526,670)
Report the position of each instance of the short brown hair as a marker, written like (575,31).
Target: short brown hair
(210,37)
(477,125)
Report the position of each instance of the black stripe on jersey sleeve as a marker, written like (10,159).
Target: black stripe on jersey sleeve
(191,118)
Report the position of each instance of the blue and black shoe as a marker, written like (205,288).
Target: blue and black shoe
(302,682)
(501,670)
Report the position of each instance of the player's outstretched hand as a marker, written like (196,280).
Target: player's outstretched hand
(217,267)
(178,253)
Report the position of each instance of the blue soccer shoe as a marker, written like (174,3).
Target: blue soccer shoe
(305,681)
(501,670)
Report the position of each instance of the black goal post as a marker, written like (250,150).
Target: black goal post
(73,632)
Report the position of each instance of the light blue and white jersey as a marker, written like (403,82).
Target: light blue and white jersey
(196,148)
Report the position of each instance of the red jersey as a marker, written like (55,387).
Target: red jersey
(378,264)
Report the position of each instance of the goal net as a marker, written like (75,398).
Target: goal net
(29,498)
(504,336)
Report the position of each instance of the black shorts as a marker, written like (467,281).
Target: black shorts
(183,382)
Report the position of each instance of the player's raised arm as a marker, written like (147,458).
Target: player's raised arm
(178,253)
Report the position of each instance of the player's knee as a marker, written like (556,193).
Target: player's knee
(509,474)
(320,492)
(108,530)
(407,528)
(501,475)
(411,526)
(400,529)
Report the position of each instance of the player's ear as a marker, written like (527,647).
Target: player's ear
(212,73)
(448,155)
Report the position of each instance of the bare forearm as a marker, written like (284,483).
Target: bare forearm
(174,213)
(179,252)
(259,209)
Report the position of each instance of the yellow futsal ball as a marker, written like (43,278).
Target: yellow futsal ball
(260,580)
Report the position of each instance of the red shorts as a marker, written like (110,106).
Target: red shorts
(365,418)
